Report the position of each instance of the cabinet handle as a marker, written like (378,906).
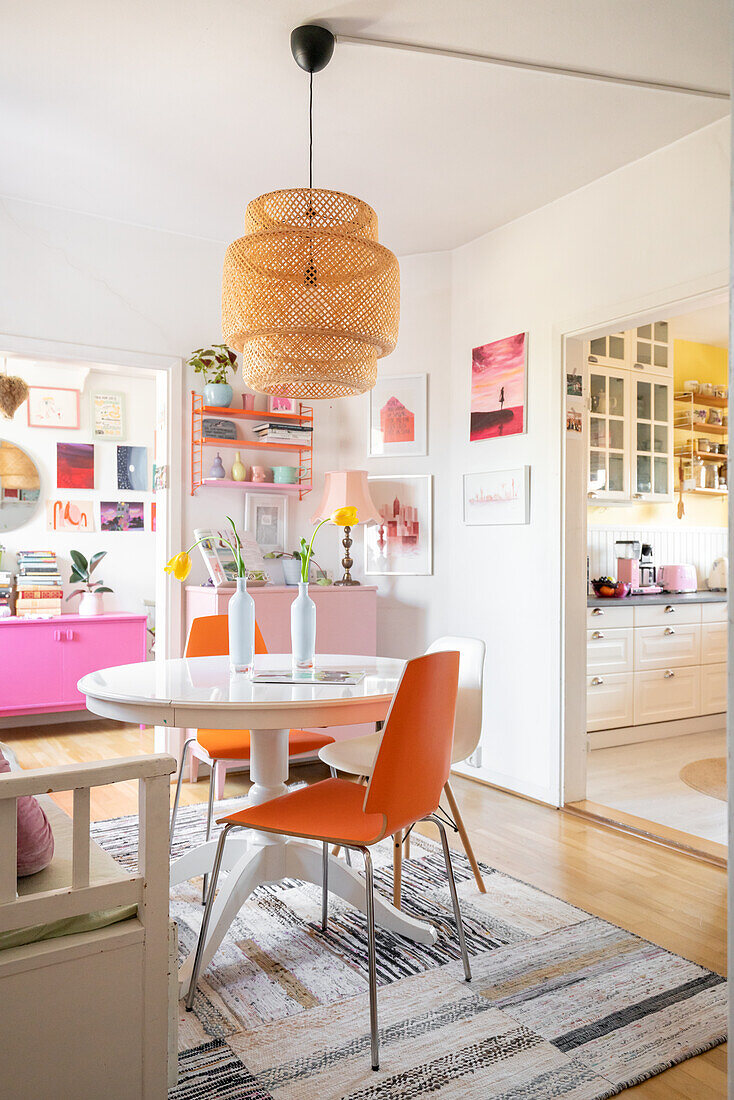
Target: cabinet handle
(637,496)
(598,611)
(669,674)
(596,635)
(57,635)
(591,495)
(669,610)
(639,366)
(596,681)
(70,635)
(593,359)
(669,630)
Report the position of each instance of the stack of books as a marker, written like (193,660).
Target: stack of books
(7,593)
(40,589)
(268,432)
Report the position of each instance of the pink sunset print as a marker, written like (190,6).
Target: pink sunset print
(498,388)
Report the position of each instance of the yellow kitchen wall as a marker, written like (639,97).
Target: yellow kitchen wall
(704,363)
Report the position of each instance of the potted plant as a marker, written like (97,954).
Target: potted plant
(213,363)
(91,602)
(292,566)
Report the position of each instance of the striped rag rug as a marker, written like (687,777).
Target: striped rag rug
(562,1004)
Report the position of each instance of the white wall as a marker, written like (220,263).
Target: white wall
(129,566)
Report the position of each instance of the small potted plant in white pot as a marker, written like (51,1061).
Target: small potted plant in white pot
(213,363)
(91,602)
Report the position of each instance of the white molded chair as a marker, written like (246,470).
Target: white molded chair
(357,756)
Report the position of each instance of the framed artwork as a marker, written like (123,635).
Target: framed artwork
(497,497)
(282,405)
(398,416)
(122,515)
(51,407)
(132,468)
(266,519)
(108,415)
(75,465)
(402,544)
(499,388)
(69,515)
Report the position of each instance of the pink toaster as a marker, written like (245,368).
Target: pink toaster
(677,578)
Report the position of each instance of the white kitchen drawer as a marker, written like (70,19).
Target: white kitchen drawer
(609,617)
(713,689)
(714,612)
(609,701)
(671,646)
(609,650)
(668,614)
(666,694)
(713,643)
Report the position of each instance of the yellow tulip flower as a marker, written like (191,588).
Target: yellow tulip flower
(344,517)
(180,565)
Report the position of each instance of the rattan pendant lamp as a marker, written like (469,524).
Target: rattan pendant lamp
(309,296)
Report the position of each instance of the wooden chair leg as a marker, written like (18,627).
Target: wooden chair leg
(406,846)
(455,813)
(397,868)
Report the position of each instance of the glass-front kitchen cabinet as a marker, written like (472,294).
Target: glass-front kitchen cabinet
(630,410)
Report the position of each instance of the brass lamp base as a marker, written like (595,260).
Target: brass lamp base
(347,561)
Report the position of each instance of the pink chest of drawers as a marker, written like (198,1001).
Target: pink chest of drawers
(42,659)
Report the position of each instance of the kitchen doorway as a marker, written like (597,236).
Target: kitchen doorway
(646,494)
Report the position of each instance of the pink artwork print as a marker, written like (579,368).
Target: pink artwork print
(498,388)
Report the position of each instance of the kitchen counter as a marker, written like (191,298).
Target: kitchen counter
(704,595)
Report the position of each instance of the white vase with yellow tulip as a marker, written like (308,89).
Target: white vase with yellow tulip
(303,609)
(241,609)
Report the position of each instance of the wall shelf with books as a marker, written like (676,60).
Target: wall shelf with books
(272,431)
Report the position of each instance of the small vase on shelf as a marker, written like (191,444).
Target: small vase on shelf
(303,628)
(239,470)
(241,621)
(217,467)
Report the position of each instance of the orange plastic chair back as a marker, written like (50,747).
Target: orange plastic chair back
(414,759)
(209,637)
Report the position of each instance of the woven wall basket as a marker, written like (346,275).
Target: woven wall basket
(309,296)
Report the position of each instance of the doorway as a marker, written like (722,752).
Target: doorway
(646,479)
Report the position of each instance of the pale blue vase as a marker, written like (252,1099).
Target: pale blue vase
(303,628)
(241,616)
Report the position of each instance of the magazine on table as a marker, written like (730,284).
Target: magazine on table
(346,676)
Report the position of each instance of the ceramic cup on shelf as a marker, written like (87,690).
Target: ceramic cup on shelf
(691,386)
(259,473)
(239,470)
(285,475)
(248,402)
(218,394)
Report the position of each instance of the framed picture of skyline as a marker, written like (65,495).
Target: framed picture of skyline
(497,497)
(402,544)
(499,388)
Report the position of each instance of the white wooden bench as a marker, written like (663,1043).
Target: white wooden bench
(89,1014)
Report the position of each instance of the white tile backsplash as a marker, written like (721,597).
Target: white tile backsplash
(698,546)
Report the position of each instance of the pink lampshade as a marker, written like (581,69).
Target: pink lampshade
(347,489)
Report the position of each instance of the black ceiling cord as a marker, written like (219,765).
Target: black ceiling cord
(310,131)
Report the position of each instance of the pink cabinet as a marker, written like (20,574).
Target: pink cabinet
(41,660)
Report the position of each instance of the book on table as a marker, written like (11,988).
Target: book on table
(340,676)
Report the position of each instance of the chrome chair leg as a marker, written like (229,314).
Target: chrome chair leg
(347,853)
(209,818)
(186,747)
(324,885)
(207,914)
(372,956)
(454,896)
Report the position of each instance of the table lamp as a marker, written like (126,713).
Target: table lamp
(347,489)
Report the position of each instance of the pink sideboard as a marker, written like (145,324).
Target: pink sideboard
(41,660)
(346,622)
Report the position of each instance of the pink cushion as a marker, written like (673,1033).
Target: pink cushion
(35,838)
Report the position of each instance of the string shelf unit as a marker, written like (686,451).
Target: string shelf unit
(701,447)
(200,443)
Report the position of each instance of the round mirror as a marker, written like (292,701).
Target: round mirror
(20,486)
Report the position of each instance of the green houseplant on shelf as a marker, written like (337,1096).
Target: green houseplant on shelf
(214,363)
(91,602)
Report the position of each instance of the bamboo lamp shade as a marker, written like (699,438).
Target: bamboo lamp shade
(309,296)
(17,469)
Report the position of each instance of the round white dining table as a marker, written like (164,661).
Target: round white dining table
(200,692)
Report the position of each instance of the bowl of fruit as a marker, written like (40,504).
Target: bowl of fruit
(611,589)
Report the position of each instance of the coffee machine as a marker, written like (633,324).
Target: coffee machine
(648,572)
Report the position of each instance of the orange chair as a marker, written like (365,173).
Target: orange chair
(209,637)
(410,772)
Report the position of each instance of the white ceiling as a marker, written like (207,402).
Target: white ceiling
(173,113)
(703,326)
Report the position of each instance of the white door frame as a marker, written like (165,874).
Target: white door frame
(170,368)
(569,339)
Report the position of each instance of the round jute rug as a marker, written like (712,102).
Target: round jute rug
(707,776)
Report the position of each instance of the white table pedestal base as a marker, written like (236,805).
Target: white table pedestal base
(253,859)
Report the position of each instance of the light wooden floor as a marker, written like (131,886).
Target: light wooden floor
(665,896)
(644,780)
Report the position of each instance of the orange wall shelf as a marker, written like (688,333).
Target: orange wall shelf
(199,441)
